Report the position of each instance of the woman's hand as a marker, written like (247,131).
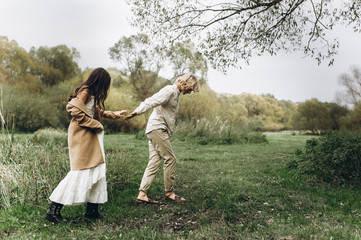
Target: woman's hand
(119,114)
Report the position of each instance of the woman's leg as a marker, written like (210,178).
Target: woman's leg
(92,211)
(53,213)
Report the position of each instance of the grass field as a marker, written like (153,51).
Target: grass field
(239,191)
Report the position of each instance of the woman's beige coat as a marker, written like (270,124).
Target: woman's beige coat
(84,147)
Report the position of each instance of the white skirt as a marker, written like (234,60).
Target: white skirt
(82,186)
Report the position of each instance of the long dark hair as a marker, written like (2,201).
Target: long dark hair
(98,83)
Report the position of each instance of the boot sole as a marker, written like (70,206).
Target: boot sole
(52,219)
(94,217)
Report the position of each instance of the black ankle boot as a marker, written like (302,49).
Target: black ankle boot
(53,213)
(92,211)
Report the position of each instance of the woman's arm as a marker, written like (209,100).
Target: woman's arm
(112,114)
(84,120)
(84,95)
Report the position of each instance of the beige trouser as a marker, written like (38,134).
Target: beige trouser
(159,148)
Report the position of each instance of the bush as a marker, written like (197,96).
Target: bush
(51,136)
(29,111)
(333,158)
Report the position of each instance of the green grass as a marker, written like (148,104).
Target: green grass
(239,191)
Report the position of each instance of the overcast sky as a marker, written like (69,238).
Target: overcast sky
(92,27)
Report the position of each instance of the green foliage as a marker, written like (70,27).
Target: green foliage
(55,64)
(204,131)
(146,83)
(28,171)
(134,53)
(16,65)
(31,166)
(336,114)
(332,158)
(32,111)
(51,136)
(204,104)
(257,113)
(230,33)
(233,192)
(32,102)
(140,135)
(318,117)
(265,113)
(119,99)
(183,58)
(28,111)
(48,65)
(353,119)
(142,60)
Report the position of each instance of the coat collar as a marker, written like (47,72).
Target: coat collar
(76,102)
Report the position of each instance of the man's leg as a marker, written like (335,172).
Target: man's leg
(162,146)
(151,169)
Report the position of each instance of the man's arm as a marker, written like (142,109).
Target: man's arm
(156,100)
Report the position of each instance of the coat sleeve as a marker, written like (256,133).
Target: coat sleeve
(84,120)
(108,114)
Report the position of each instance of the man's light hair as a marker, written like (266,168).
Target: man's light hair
(188,81)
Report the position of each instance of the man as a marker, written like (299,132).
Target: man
(159,129)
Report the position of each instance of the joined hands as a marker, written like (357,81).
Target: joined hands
(119,114)
(133,114)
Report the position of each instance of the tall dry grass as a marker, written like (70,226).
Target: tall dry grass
(29,171)
(217,131)
(32,165)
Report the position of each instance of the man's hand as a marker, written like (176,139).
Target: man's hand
(133,114)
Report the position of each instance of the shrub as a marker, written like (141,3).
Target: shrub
(28,111)
(332,158)
(50,136)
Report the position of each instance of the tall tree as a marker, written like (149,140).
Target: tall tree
(184,58)
(352,84)
(313,115)
(353,119)
(231,31)
(143,60)
(56,64)
(134,52)
(337,113)
(15,62)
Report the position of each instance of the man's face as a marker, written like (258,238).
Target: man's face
(186,90)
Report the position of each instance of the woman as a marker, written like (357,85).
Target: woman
(86,180)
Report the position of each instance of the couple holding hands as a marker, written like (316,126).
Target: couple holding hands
(86,180)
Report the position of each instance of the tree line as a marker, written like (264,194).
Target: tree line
(35,86)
